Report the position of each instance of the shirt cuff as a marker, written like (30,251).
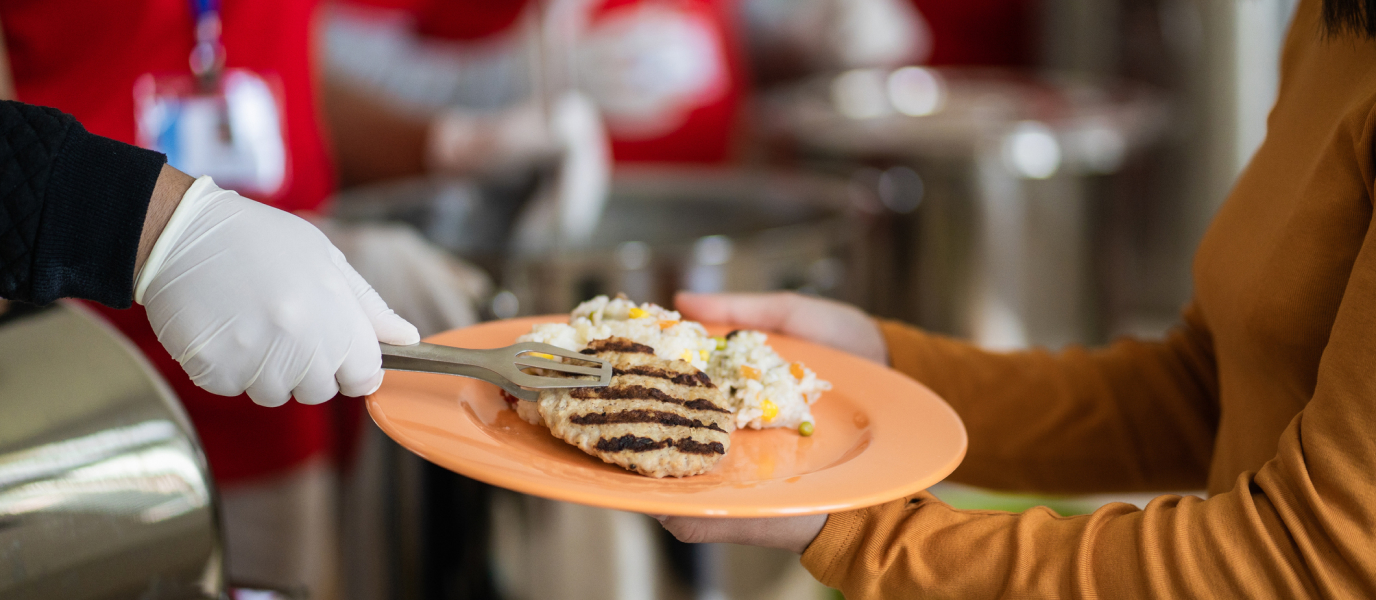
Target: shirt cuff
(826,558)
(905,346)
(93,213)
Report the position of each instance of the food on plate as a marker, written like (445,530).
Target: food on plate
(658,417)
(649,324)
(762,389)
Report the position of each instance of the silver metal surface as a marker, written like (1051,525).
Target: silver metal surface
(703,229)
(993,184)
(104,492)
(500,366)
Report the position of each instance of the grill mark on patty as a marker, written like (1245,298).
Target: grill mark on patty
(617,344)
(694,379)
(642,416)
(639,392)
(632,443)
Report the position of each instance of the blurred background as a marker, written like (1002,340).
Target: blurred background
(1014,172)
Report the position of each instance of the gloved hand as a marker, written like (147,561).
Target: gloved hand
(250,298)
(466,141)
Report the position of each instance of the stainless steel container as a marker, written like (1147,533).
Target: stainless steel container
(104,492)
(991,184)
(702,229)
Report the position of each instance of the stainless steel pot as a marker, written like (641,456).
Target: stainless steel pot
(104,491)
(994,186)
(702,229)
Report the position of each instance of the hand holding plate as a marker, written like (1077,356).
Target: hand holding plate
(818,320)
(785,533)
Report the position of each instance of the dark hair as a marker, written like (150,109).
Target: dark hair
(1356,16)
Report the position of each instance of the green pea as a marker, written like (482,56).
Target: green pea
(805,429)
(721,342)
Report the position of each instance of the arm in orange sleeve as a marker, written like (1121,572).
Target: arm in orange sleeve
(1302,526)
(1132,416)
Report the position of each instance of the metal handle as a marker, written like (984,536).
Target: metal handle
(424,360)
(501,366)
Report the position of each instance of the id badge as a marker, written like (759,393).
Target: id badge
(233,132)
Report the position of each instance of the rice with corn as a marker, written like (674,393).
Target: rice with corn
(764,389)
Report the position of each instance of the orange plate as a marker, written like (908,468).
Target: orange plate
(880,436)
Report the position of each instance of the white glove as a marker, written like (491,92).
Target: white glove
(585,170)
(250,298)
(874,33)
(465,141)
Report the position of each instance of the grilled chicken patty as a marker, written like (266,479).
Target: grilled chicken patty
(658,417)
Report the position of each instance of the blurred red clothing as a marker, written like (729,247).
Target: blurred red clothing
(83,58)
(686,87)
(456,19)
(981,32)
(701,124)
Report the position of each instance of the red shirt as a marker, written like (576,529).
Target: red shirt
(701,128)
(705,128)
(83,58)
(981,32)
(456,19)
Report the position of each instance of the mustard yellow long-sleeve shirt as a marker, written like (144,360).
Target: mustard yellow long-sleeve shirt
(1265,395)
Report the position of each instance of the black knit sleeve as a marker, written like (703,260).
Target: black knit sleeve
(72,206)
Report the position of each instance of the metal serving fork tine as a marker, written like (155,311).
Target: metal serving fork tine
(524,356)
(528,355)
(501,366)
(544,363)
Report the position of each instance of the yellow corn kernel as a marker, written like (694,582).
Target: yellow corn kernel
(704,354)
(638,313)
(667,324)
(770,409)
(805,428)
(687,356)
(797,370)
(750,372)
(542,355)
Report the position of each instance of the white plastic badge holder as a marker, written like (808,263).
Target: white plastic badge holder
(232,132)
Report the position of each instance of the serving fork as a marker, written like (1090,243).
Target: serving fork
(503,367)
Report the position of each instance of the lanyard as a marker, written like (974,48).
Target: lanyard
(208,55)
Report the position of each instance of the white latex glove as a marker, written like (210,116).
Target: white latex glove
(568,208)
(585,170)
(840,34)
(250,298)
(879,33)
(465,141)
